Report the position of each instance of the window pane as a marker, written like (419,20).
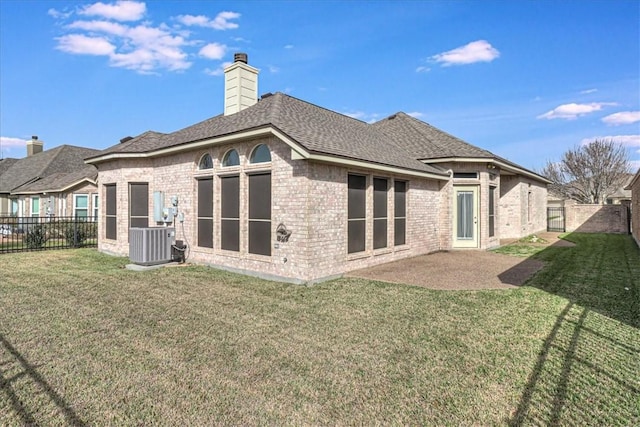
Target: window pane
(260,237)
(111,199)
(379,198)
(379,233)
(260,154)
(81,213)
(205,197)
(110,227)
(230,234)
(400,231)
(260,196)
(400,196)
(139,222)
(206,162)
(230,195)
(356,236)
(465,215)
(231,158)
(357,196)
(139,199)
(82,201)
(205,233)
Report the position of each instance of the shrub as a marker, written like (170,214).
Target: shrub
(36,237)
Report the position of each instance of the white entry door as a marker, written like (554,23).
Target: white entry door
(465,217)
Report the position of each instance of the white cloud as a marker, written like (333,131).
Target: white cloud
(122,10)
(220,22)
(365,117)
(573,110)
(7,141)
(478,51)
(84,45)
(587,91)
(622,118)
(273,69)
(423,69)
(635,164)
(213,51)
(143,47)
(217,71)
(416,114)
(288,46)
(626,140)
(58,14)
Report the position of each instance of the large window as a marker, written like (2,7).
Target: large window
(260,213)
(111,212)
(356,213)
(206,162)
(35,206)
(230,213)
(492,211)
(205,212)
(231,158)
(138,204)
(399,212)
(380,188)
(80,205)
(260,154)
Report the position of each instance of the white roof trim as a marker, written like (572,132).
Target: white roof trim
(297,153)
(493,161)
(57,190)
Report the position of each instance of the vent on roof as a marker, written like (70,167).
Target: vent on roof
(392,117)
(266,95)
(126,139)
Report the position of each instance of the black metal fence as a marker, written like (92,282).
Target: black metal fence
(555,219)
(43,233)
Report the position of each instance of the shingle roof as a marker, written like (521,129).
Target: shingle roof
(316,129)
(399,140)
(58,181)
(6,164)
(65,159)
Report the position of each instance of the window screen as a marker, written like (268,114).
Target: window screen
(399,212)
(380,186)
(138,204)
(356,212)
(110,212)
(230,213)
(260,214)
(205,212)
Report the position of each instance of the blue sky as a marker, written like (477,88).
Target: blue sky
(524,79)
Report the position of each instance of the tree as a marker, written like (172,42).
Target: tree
(589,173)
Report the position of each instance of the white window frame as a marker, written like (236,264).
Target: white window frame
(75,205)
(32,204)
(94,206)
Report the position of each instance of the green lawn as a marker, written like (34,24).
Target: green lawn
(84,341)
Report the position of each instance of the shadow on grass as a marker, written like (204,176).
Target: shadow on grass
(27,371)
(587,370)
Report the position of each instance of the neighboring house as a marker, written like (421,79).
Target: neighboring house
(621,195)
(55,182)
(284,188)
(634,188)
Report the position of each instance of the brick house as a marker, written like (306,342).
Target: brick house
(54,182)
(634,187)
(283,188)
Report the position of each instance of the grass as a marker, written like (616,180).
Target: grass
(84,341)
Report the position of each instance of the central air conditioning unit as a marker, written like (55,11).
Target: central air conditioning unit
(151,245)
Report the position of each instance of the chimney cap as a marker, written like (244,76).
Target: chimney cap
(240,57)
(34,137)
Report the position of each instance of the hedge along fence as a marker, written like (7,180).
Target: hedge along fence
(42,233)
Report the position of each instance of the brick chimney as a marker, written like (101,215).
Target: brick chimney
(34,146)
(240,85)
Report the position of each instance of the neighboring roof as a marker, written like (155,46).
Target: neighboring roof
(633,180)
(59,182)
(59,165)
(399,141)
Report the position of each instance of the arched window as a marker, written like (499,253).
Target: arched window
(260,154)
(206,162)
(231,158)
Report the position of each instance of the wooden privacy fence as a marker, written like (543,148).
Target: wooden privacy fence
(19,234)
